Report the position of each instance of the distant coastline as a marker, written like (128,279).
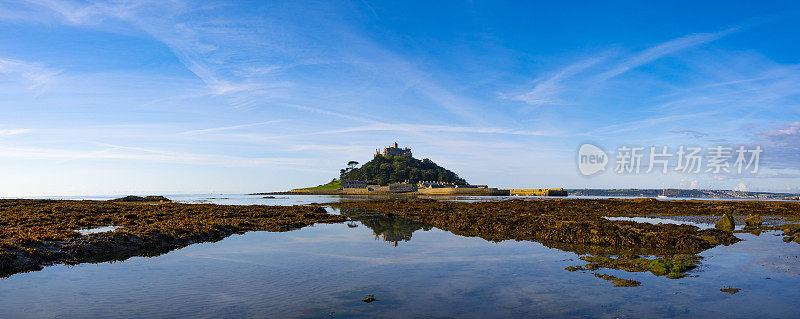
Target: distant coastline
(684,193)
(628,192)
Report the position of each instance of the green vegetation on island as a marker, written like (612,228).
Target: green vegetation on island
(386,169)
(332,185)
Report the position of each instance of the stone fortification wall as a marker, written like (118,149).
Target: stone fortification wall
(463,191)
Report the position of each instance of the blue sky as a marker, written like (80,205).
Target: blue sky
(164,97)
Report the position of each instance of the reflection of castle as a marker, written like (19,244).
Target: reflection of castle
(394,151)
(389,229)
(393,238)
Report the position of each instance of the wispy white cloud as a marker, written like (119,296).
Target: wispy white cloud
(371,9)
(10,132)
(406,127)
(648,123)
(206,48)
(781,145)
(692,133)
(36,74)
(229,128)
(119,152)
(245,60)
(93,13)
(548,90)
(745,84)
(661,50)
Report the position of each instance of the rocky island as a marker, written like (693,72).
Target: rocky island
(395,171)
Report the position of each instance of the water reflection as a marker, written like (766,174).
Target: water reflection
(391,228)
(654,221)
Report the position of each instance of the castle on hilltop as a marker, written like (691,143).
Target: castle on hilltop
(394,150)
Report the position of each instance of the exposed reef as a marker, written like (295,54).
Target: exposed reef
(578,222)
(672,267)
(619,282)
(37,233)
(578,225)
(140,199)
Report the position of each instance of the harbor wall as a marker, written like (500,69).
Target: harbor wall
(538,192)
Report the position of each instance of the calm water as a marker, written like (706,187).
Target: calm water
(413,270)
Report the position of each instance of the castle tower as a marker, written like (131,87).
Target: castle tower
(394,150)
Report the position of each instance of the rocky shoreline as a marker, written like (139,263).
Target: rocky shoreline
(38,233)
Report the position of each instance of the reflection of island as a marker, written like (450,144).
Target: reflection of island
(388,228)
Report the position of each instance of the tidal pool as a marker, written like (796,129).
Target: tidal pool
(412,269)
(653,220)
(97,230)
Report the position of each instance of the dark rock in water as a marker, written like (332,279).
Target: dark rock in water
(730,290)
(134,199)
(725,223)
(673,267)
(619,282)
(753,221)
(675,275)
(369,298)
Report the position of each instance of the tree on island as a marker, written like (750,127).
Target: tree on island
(350,166)
(382,170)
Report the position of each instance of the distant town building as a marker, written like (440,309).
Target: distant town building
(351,183)
(401,187)
(394,150)
(435,184)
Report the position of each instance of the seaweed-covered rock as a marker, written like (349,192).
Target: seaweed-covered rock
(619,282)
(136,199)
(369,299)
(554,222)
(574,268)
(37,233)
(730,290)
(753,221)
(673,267)
(725,223)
